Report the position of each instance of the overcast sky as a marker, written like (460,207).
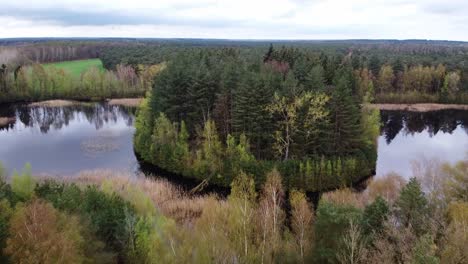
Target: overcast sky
(237,19)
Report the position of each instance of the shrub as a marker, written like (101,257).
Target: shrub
(23,184)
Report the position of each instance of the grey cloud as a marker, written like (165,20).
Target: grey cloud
(68,17)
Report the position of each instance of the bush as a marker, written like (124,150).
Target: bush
(23,184)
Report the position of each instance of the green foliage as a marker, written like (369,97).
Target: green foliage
(205,101)
(76,67)
(23,184)
(107,215)
(5,214)
(332,221)
(412,207)
(345,116)
(374,217)
(208,161)
(79,80)
(106,212)
(425,251)
(456,184)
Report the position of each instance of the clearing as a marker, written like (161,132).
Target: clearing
(76,67)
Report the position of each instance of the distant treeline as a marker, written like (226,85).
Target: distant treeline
(410,71)
(48,52)
(399,72)
(37,82)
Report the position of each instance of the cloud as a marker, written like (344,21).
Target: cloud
(288,19)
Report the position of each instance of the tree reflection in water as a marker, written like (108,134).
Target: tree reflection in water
(409,123)
(46,118)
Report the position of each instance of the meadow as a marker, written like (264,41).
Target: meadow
(76,67)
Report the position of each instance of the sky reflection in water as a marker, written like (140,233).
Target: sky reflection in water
(67,140)
(407,136)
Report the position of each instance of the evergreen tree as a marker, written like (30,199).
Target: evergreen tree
(374,65)
(412,207)
(314,80)
(375,214)
(344,116)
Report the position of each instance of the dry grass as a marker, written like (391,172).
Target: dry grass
(130,102)
(388,187)
(169,199)
(54,103)
(7,120)
(419,107)
(346,197)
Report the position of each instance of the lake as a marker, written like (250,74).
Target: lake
(66,140)
(408,136)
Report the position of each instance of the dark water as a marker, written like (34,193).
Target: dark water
(409,136)
(66,140)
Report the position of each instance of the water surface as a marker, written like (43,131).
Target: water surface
(66,140)
(409,136)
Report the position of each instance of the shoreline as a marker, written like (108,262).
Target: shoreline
(423,107)
(129,102)
(4,121)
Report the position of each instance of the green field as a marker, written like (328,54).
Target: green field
(76,67)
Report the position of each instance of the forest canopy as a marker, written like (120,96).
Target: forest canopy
(213,113)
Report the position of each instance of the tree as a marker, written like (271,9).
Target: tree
(374,65)
(456,183)
(163,141)
(374,217)
(268,56)
(271,214)
(344,118)
(144,123)
(451,83)
(352,250)
(424,251)
(386,79)
(23,184)
(314,80)
(332,221)
(455,240)
(286,109)
(412,207)
(302,219)
(40,234)
(5,214)
(243,200)
(209,157)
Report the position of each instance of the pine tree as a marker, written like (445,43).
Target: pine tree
(314,80)
(412,207)
(375,214)
(344,116)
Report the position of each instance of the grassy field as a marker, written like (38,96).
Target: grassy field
(77,67)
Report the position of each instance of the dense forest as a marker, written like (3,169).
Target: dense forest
(100,217)
(212,114)
(411,71)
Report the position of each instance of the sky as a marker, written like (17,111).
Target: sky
(237,19)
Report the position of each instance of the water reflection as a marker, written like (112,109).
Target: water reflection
(57,117)
(407,136)
(68,139)
(410,123)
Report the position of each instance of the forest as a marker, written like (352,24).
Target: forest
(284,132)
(410,71)
(101,217)
(211,114)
